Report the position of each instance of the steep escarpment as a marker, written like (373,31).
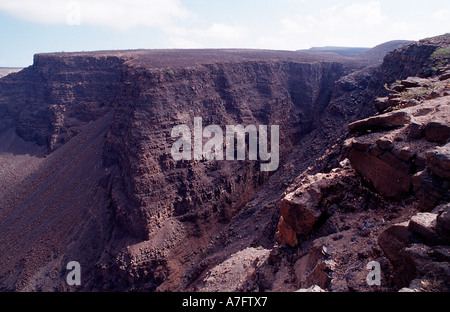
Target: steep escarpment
(194,199)
(152,102)
(155,216)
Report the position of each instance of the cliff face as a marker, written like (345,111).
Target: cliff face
(191,200)
(112,195)
(49,101)
(151,102)
(156,206)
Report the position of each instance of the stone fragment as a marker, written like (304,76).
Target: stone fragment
(361,146)
(385,143)
(404,154)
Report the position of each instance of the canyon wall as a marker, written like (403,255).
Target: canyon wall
(156,206)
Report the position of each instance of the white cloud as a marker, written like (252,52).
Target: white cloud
(215,36)
(441,15)
(336,25)
(116,14)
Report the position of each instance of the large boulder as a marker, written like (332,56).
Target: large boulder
(302,208)
(389,175)
(423,224)
(437,131)
(385,121)
(286,234)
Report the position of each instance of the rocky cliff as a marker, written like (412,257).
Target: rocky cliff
(102,187)
(392,178)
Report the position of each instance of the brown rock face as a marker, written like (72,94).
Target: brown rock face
(49,102)
(305,207)
(391,178)
(155,214)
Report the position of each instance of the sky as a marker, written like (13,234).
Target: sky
(34,26)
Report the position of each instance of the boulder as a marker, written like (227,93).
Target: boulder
(435,275)
(380,122)
(443,222)
(381,104)
(423,224)
(415,130)
(438,160)
(312,268)
(300,208)
(437,131)
(413,82)
(393,240)
(389,176)
(429,190)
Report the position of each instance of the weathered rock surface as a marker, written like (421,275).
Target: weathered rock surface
(438,160)
(304,207)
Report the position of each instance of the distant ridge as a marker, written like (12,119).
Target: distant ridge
(377,53)
(344,51)
(371,55)
(8,70)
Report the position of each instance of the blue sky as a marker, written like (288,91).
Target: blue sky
(28,26)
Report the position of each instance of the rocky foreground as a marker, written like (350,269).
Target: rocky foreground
(86,172)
